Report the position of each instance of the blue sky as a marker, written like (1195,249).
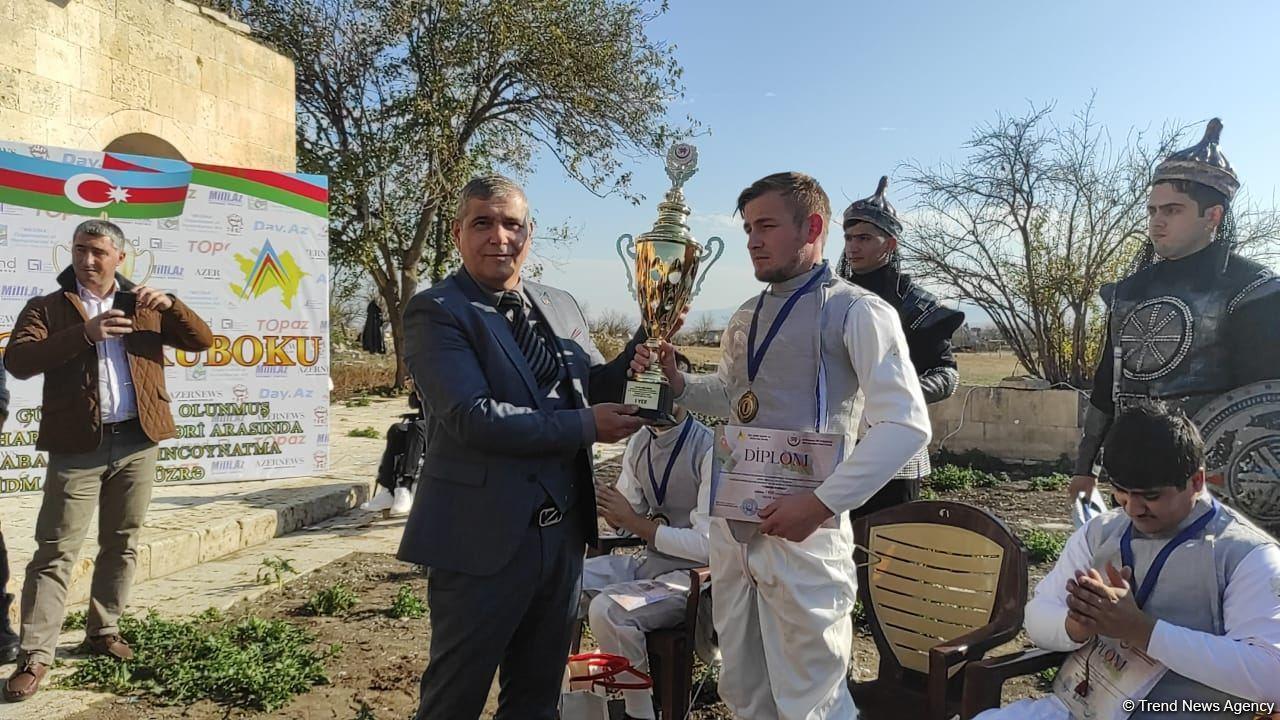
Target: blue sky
(847,91)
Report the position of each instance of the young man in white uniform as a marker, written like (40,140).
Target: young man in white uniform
(824,355)
(1187,580)
(662,497)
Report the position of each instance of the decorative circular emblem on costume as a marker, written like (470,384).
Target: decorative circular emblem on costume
(1241,431)
(748,406)
(1155,337)
(749,507)
(660,519)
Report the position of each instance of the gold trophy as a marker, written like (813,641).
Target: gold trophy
(666,278)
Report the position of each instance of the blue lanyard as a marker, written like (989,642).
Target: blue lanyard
(660,491)
(1153,573)
(754,359)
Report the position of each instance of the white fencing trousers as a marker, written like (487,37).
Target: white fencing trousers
(1045,708)
(620,631)
(782,612)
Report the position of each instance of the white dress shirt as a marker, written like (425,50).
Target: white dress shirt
(116,399)
(1245,662)
(690,543)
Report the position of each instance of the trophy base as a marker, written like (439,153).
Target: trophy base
(654,400)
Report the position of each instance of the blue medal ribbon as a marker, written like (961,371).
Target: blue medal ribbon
(1157,565)
(754,359)
(660,491)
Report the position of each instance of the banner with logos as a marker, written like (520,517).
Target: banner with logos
(245,249)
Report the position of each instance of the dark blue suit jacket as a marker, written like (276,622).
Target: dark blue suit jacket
(490,433)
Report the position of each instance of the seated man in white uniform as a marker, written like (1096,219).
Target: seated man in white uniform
(662,498)
(1184,579)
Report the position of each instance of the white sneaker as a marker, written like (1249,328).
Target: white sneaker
(381,500)
(403,502)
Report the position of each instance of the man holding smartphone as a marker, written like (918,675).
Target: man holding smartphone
(98,340)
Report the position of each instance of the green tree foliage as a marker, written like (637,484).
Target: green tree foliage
(401,101)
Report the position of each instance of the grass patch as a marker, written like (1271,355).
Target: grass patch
(358,402)
(1043,545)
(407,605)
(334,600)
(1053,482)
(75,620)
(364,432)
(251,663)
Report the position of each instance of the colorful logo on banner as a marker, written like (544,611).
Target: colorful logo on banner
(244,249)
(267,272)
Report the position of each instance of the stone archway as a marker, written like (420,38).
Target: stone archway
(141,143)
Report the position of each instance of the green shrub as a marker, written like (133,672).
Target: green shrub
(365,432)
(407,605)
(1053,482)
(74,620)
(251,663)
(949,478)
(273,571)
(336,599)
(1043,545)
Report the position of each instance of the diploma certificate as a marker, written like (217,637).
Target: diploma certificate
(754,466)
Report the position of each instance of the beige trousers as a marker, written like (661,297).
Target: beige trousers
(117,478)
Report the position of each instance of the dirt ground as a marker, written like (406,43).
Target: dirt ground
(382,658)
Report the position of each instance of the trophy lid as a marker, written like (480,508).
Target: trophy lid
(671,225)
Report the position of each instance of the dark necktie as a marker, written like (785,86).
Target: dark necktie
(541,360)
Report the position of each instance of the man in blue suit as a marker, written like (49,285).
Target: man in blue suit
(505,503)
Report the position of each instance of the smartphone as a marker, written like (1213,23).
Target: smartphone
(126,301)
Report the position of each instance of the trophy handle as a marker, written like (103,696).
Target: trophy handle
(627,251)
(716,243)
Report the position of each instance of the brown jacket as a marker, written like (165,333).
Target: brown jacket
(50,338)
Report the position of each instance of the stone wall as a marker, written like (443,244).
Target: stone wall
(1011,424)
(84,73)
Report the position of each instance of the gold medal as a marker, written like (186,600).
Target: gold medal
(748,406)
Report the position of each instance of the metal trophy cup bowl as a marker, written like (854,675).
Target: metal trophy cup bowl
(669,269)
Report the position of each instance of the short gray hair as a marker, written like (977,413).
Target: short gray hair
(488,187)
(101,228)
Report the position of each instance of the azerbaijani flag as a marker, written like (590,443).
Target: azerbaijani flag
(126,186)
(308,193)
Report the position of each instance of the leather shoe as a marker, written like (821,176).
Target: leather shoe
(24,682)
(110,645)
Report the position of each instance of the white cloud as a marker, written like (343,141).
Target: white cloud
(715,222)
(771,94)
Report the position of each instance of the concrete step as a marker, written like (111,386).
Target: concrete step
(188,525)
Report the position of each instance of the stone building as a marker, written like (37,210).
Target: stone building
(152,77)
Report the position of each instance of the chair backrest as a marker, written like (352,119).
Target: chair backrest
(932,571)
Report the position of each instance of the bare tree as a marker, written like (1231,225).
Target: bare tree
(1031,225)
(696,332)
(610,331)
